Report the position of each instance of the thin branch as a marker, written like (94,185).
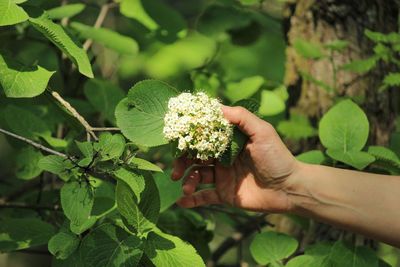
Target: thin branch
(103,129)
(28,206)
(99,21)
(32,143)
(75,113)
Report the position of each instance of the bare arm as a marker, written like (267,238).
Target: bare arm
(267,177)
(362,202)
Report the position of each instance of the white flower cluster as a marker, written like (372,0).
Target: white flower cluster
(197,123)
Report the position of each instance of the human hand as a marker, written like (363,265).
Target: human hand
(257,179)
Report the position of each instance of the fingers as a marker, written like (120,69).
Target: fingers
(191,182)
(179,169)
(200,198)
(247,122)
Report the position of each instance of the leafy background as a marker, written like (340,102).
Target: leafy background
(55,55)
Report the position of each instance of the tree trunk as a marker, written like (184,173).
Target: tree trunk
(324,21)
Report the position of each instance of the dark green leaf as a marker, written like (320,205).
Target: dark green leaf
(104,97)
(239,139)
(63,244)
(27,163)
(137,200)
(110,246)
(16,234)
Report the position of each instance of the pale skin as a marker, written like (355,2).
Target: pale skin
(266,177)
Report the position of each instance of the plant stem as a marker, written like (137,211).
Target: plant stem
(32,143)
(75,114)
(99,21)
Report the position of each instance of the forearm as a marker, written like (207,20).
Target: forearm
(362,202)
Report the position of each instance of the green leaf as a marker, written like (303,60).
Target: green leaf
(307,49)
(73,260)
(65,11)
(57,165)
(166,21)
(104,197)
(141,115)
(11,13)
(360,66)
(343,255)
(306,260)
(16,234)
(312,157)
(167,250)
(63,244)
(354,158)
(239,139)
(86,149)
(170,191)
(104,97)
(392,79)
(110,146)
(56,34)
(25,123)
(191,52)
(385,158)
(86,225)
(270,247)
(344,127)
(378,37)
(110,246)
(109,38)
(308,77)
(143,164)
(18,80)
(243,89)
(138,200)
(27,163)
(271,104)
(297,128)
(337,45)
(77,202)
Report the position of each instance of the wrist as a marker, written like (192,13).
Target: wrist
(298,188)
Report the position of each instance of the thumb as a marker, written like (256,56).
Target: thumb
(247,122)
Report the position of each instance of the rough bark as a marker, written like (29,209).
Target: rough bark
(327,20)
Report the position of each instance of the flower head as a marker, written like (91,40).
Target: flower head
(197,124)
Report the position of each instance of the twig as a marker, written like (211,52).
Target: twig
(99,21)
(75,113)
(32,143)
(27,206)
(103,129)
